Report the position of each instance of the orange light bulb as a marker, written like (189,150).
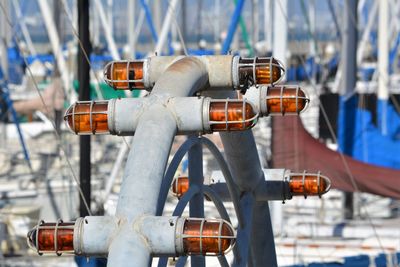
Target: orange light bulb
(286,100)
(52,237)
(88,117)
(231,115)
(259,70)
(201,236)
(124,75)
(308,184)
(180,186)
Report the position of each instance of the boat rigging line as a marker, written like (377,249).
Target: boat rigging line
(330,127)
(58,137)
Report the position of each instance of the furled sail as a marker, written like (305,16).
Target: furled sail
(294,148)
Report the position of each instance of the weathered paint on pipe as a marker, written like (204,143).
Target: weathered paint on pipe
(147,161)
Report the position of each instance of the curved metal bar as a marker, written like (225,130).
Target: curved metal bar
(180,207)
(211,194)
(222,261)
(169,174)
(228,177)
(162,262)
(181,261)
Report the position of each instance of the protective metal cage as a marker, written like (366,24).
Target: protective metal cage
(88,117)
(259,70)
(323,182)
(229,121)
(56,234)
(285,99)
(125,74)
(196,239)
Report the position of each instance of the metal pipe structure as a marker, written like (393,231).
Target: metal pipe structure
(143,176)
(242,157)
(154,121)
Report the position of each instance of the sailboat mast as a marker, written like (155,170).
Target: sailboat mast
(383,64)
(4,30)
(348,101)
(84,94)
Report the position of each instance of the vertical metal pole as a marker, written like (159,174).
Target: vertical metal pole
(184,20)
(313,42)
(95,28)
(383,65)
(143,175)
(131,28)
(268,23)
(166,26)
(157,11)
(110,16)
(141,183)
(196,204)
(348,101)
(232,27)
(84,94)
(57,17)
(217,22)
(280,30)
(242,157)
(105,24)
(199,20)
(55,42)
(255,22)
(24,29)
(4,28)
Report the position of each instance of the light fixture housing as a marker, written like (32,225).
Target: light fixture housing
(88,117)
(52,238)
(229,115)
(125,74)
(209,237)
(257,71)
(278,99)
(308,184)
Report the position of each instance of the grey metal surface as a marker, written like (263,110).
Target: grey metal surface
(188,112)
(243,233)
(169,174)
(242,157)
(160,234)
(93,235)
(219,70)
(143,175)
